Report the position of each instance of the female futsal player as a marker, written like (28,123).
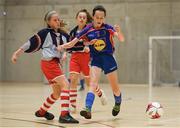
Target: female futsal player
(48,39)
(80,58)
(102,48)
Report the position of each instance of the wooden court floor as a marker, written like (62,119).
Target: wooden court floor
(19,101)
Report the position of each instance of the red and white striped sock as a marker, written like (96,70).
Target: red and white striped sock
(64,102)
(73,96)
(47,104)
(98,91)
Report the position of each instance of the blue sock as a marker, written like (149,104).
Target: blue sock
(118,99)
(89,100)
(82,83)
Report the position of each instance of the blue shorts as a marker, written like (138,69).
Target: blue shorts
(104,61)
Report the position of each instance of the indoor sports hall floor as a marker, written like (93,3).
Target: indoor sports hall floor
(19,101)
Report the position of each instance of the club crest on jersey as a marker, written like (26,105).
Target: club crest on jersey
(99,45)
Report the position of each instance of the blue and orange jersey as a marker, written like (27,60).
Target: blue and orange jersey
(104,36)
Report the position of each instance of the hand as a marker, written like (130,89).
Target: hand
(60,48)
(117,28)
(89,42)
(14,58)
(118,33)
(93,41)
(86,49)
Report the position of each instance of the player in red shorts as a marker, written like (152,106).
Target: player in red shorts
(48,39)
(80,58)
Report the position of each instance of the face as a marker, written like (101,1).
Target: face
(81,19)
(99,18)
(54,21)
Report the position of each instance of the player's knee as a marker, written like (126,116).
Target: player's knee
(56,95)
(65,86)
(55,82)
(93,85)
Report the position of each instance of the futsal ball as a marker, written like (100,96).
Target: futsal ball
(154,110)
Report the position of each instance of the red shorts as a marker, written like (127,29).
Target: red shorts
(51,69)
(79,62)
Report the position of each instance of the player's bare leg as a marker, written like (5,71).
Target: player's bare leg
(95,73)
(113,80)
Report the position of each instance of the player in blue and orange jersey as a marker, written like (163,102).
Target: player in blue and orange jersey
(80,58)
(48,39)
(100,35)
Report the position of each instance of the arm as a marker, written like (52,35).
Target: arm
(118,33)
(70,44)
(32,45)
(21,50)
(16,54)
(67,45)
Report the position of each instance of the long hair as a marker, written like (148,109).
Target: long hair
(89,17)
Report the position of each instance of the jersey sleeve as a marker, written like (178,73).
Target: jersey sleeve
(34,42)
(26,46)
(83,33)
(110,29)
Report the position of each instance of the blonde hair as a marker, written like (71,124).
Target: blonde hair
(48,16)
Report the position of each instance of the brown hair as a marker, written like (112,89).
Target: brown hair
(89,18)
(99,8)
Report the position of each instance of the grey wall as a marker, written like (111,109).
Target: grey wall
(1,38)
(139,19)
